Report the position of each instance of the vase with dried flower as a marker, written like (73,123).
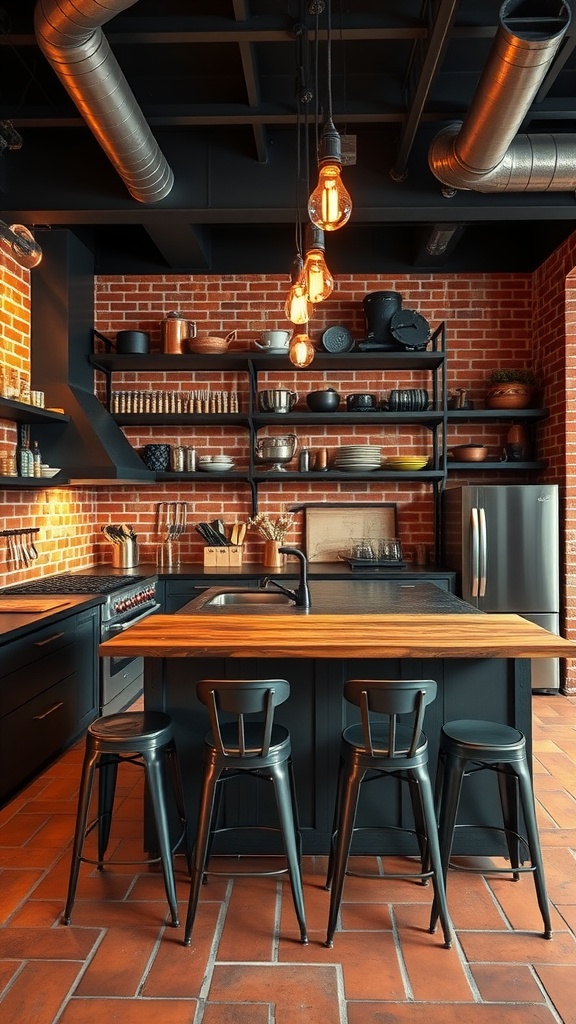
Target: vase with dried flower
(510,389)
(274,532)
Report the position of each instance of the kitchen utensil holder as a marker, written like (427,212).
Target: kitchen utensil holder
(125,555)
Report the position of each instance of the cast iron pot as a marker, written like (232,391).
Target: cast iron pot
(128,343)
(323,401)
(361,402)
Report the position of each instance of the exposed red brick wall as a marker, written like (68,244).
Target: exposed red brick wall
(491,320)
(555,344)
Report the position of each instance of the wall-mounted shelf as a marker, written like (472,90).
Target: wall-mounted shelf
(21,412)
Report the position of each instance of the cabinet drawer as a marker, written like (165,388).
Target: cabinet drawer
(36,644)
(35,732)
(52,654)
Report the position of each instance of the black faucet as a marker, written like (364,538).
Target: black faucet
(300,596)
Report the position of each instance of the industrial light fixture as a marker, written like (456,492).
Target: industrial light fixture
(301,351)
(329,205)
(17,241)
(316,277)
(297,307)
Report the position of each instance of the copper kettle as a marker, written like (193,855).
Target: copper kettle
(175,330)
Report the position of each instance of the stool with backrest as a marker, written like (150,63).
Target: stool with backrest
(466,747)
(371,750)
(245,740)
(144,738)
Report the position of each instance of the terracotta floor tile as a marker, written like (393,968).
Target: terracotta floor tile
(560,985)
(434,973)
(14,887)
(506,983)
(177,970)
(561,806)
(446,1013)
(298,995)
(118,965)
(37,994)
(8,969)
(232,1013)
(128,1011)
(518,947)
(47,944)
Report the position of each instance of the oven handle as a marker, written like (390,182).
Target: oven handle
(121,626)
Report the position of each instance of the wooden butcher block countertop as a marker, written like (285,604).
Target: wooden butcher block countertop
(362,619)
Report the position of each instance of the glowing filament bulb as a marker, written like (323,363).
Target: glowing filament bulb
(301,351)
(329,206)
(319,282)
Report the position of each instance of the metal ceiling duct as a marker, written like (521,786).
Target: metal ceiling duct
(483,153)
(70,36)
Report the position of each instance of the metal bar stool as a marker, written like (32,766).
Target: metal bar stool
(146,739)
(467,747)
(235,746)
(385,747)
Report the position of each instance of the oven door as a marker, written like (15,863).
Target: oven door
(121,678)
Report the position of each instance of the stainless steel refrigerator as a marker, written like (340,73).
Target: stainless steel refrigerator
(502,541)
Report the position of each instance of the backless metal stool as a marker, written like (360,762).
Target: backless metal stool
(386,747)
(245,740)
(145,738)
(467,747)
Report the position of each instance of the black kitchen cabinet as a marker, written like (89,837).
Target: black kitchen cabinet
(48,694)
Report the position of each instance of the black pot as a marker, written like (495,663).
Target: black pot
(323,401)
(361,402)
(128,343)
(132,343)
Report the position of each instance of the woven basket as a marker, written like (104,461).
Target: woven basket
(208,346)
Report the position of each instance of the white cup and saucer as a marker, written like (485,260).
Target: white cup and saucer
(274,342)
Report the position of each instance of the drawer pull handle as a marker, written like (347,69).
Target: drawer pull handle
(48,640)
(38,718)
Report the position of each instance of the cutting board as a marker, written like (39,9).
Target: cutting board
(27,605)
(332,529)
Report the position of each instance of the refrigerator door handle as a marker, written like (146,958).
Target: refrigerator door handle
(474,553)
(483,555)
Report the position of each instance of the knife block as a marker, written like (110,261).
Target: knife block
(223,557)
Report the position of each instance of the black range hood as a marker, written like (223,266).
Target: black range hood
(91,449)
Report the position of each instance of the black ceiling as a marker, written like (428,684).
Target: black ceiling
(217,82)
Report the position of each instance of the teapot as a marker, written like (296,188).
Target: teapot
(274,341)
(174,331)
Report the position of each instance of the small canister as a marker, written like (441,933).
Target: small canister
(304,460)
(177,458)
(190,460)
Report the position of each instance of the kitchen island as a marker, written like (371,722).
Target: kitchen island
(364,629)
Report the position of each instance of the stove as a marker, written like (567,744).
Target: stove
(74,583)
(127,599)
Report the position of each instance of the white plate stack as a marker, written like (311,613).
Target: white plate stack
(358,457)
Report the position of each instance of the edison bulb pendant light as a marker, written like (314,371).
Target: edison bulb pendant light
(301,351)
(330,205)
(317,279)
(297,307)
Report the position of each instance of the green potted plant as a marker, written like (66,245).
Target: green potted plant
(510,389)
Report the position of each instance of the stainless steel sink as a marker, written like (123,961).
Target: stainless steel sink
(248,597)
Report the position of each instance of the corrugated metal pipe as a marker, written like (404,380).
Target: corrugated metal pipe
(483,153)
(70,36)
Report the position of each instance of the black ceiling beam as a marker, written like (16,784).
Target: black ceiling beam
(424,64)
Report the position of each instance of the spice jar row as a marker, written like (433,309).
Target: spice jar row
(204,401)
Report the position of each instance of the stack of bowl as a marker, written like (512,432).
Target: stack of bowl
(215,463)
